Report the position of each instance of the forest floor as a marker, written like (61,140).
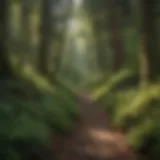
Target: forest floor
(94,139)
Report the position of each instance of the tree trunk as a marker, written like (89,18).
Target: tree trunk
(101,56)
(45,37)
(5,66)
(147,28)
(153,44)
(25,36)
(62,38)
(114,18)
(24,44)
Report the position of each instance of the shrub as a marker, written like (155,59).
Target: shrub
(30,115)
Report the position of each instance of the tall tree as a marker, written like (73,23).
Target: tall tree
(114,21)
(98,13)
(67,9)
(147,32)
(45,35)
(5,66)
(101,47)
(25,33)
(111,24)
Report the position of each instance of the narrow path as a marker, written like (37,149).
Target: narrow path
(94,139)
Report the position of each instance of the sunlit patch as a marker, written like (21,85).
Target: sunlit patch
(78,2)
(102,135)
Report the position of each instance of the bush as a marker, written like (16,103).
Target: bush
(137,112)
(30,115)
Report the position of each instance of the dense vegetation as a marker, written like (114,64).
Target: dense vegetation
(50,50)
(31,114)
(132,101)
(136,112)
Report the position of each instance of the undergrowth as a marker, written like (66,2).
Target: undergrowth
(32,111)
(138,113)
(134,110)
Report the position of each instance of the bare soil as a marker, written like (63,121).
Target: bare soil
(94,139)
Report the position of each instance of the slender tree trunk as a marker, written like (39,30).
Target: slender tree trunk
(147,28)
(45,37)
(25,32)
(5,66)
(26,6)
(59,54)
(149,25)
(114,18)
(101,55)
(62,39)
(60,50)
(100,46)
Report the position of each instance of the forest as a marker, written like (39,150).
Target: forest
(79,80)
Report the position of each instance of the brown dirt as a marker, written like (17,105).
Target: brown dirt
(94,139)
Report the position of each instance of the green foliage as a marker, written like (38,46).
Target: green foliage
(30,114)
(137,112)
(134,110)
(99,92)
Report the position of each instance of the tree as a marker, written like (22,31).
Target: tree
(5,66)
(147,32)
(45,35)
(106,16)
(25,32)
(114,20)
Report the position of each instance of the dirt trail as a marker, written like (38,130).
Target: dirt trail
(93,139)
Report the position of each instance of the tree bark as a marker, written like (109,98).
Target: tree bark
(25,34)
(99,29)
(45,35)
(5,65)
(147,29)
(114,20)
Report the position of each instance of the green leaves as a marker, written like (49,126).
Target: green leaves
(31,114)
(137,112)
(103,90)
